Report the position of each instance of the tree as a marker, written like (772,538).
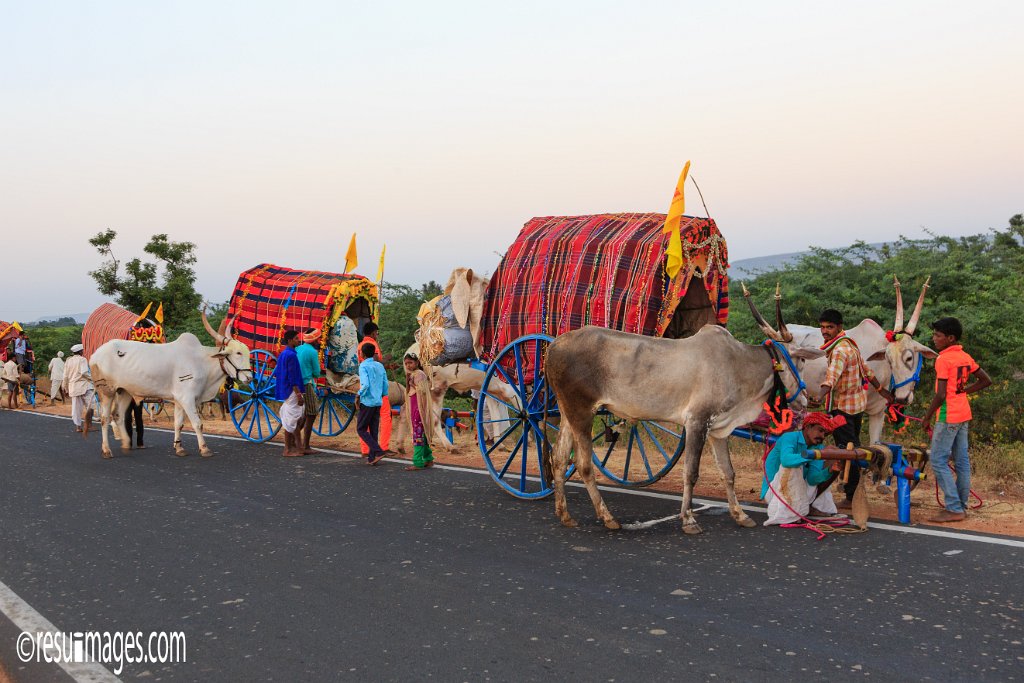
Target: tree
(399,305)
(142,281)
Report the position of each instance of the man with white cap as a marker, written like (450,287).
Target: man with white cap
(56,377)
(77,383)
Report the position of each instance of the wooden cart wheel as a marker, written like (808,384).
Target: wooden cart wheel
(636,454)
(532,422)
(249,404)
(336,411)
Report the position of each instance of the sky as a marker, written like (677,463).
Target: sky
(270,132)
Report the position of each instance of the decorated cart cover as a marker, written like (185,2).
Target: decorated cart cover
(270,299)
(8,331)
(110,321)
(565,272)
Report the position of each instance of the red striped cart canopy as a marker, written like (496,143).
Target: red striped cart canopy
(565,272)
(270,299)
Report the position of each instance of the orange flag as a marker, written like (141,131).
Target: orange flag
(351,258)
(674,253)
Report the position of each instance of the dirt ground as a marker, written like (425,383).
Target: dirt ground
(1002,512)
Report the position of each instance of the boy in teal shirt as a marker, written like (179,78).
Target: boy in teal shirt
(308,354)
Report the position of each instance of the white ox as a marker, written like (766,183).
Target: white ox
(183,371)
(895,363)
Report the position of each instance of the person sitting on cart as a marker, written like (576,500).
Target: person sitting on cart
(373,390)
(289,391)
(799,487)
(370,331)
(308,353)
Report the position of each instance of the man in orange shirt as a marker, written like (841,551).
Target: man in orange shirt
(370,330)
(953,368)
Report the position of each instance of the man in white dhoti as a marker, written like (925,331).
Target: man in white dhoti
(77,383)
(56,377)
(799,486)
(290,391)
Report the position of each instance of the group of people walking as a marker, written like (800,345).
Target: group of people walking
(299,367)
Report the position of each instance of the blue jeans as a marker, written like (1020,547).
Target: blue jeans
(949,442)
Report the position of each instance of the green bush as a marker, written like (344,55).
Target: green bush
(978,279)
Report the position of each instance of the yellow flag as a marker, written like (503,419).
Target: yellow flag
(144,313)
(380,268)
(159,315)
(351,258)
(16,326)
(674,253)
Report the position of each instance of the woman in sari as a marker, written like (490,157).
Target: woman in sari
(417,411)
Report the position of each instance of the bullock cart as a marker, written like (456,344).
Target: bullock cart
(267,301)
(561,274)
(110,321)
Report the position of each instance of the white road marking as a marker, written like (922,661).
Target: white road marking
(30,621)
(920,531)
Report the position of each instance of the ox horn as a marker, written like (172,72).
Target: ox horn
(229,328)
(912,325)
(758,318)
(898,327)
(217,336)
(784,333)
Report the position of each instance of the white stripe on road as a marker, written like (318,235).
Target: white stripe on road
(32,622)
(920,531)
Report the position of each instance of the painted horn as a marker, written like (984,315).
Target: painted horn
(912,325)
(784,333)
(217,337)
(898,327)
(758,318)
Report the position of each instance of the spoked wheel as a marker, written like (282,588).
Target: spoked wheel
(249,403)
(335,414)
(636,453)
(153,408)
(515,381)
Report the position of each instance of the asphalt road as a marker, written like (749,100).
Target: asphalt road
(322,568)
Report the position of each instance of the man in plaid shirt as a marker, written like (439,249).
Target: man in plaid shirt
(845,389)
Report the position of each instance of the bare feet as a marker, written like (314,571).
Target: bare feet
(293,454)
(844,505)
(308,451)
(945,517)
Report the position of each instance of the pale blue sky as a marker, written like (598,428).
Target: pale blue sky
(271,131)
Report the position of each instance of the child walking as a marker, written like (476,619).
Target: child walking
(420,409)
(953,368)
(373,387)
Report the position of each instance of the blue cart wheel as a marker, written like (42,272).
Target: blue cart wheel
(153,408)
(515,458)
(249,403)
(335,414)
(636,454)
